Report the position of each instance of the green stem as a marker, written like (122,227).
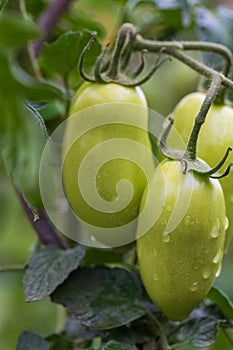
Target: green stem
(201,116)
(155,46)
(158,329)
(175,50)
(12,268)
(125,37)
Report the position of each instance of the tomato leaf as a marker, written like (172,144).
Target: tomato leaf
(61,55)
(29,341)
(222,301)
(48,268)
(23,137)
(16,31)
(113,345)
(59,342)
(201,332)
(102,297)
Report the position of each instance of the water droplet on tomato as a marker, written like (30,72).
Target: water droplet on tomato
(218,270)
(226,223)
(155,277)
(194,287)
(217,258)
(206,273)
(166,237)
(187,220)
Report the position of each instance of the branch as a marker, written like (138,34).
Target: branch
(48,20)
(175,50)
(43,227)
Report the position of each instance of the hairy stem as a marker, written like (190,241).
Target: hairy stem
(174,49)
(155,46)
(201,116)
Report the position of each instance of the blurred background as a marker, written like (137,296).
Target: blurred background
(163,91)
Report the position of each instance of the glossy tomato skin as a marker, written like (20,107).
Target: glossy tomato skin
(179,267)
(215,137)
(103,102)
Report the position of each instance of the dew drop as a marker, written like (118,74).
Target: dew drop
(217,258)
(206,273)
(155,277)
(218,270)
(226,223)
(215,233)
(194,287)
(166,237)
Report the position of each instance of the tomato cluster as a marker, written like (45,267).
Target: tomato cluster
(181,217)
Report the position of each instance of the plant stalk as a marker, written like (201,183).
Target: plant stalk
(201,116)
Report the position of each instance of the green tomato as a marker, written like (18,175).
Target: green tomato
(215,137)
(110,156)
(181,252)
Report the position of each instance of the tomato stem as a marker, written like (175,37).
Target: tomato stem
(172,47)
(158,329)
(201,116)
(122,50)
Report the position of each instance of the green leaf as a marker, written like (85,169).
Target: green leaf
(61,55)
(102,297)
(222,301)
(31,341)
(113,345)
(59,342)
(48,268)
(16,31)
(201,332)
(22,140)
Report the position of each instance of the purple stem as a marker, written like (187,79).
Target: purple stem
(45,230)
(48,20)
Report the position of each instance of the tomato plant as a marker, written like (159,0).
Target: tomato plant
(79,144)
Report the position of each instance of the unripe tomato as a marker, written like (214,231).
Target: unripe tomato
(112,155)
(215,137)
(178,266)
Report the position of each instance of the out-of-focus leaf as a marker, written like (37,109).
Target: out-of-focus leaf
(59,342)
(16,31)
(61,55)
(222,301)
(48,268)
(102,297)
(2,4)
(22,140)
(211,27)
(31,341)
(81,20)
(113,345)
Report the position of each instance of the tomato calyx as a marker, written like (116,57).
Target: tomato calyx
(188,163)
(112,68)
